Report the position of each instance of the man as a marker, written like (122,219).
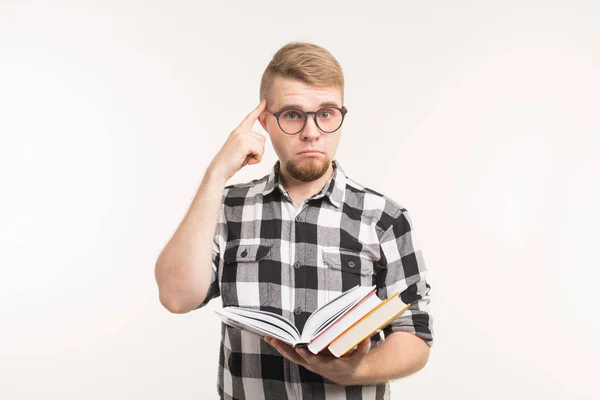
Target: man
(261,244)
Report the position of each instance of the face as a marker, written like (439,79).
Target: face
(305,167)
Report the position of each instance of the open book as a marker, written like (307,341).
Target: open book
(325,325)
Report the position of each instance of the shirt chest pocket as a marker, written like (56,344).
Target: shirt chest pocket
(344,269)
(244,278)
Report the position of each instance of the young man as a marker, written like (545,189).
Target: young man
(264,244)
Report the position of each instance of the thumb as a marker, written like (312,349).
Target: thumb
(363,347)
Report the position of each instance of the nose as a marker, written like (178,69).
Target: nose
(310,131)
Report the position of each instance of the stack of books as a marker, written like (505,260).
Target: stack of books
(339,326)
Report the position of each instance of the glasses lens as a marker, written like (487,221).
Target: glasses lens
(329,119)
(291,121)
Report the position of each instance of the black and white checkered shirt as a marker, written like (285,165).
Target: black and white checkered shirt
(270,254)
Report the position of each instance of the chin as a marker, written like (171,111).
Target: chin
(308,169)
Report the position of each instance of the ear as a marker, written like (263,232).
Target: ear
(262,118)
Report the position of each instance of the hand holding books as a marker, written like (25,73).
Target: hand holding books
(346,370)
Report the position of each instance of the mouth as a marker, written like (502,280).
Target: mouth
(308,152)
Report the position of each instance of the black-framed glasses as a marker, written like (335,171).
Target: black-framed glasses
(293,120)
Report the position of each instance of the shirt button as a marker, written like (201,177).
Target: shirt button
(298,218)
(297,264)
(351,264)
(297,311)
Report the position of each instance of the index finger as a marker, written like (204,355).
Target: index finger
(251,118)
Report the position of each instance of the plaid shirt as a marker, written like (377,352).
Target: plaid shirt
(272,255)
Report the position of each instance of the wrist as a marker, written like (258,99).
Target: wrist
(214,176)
(363,372)
(360,375)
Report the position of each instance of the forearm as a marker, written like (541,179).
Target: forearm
(400,355)
(183,269)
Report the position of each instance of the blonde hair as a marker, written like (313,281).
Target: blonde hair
(305,62)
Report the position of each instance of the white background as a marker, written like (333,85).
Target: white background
(481,118)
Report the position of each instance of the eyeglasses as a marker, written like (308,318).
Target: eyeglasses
(293,120)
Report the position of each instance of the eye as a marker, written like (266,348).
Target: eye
(325,114)
(292,115)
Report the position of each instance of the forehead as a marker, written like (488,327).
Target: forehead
(285,92)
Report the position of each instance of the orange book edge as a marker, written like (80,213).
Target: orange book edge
(374,330)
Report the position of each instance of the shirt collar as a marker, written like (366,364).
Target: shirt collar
(334,188)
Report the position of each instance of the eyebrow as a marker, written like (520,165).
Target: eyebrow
(324,104)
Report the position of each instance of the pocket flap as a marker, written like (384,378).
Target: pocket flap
(246,252)
(348,261)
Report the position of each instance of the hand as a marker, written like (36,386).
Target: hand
(346,370)
(243,146)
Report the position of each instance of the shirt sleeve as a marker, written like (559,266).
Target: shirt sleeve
(219,241)
(404,271)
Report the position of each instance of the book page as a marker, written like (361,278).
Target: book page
(267,317)
(333,310)
(258,327)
